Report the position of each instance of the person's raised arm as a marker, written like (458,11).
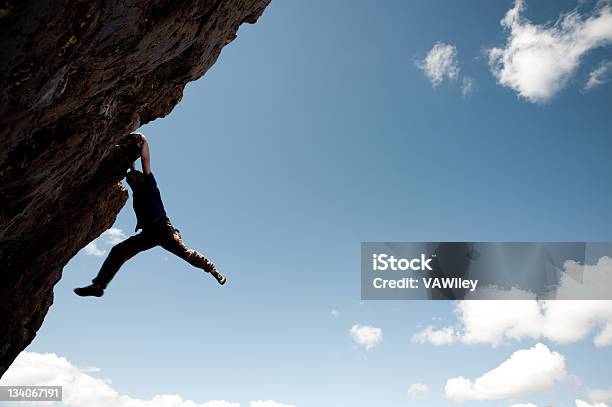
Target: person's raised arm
(145,157)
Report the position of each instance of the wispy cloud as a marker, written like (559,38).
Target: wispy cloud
(538,60)
(92,249)
(417,391)
(440,63)
(114,236)
(443,336)
(467,86)
(268,403)
(599,75)
(107,239)
(366,335)
(600,395)
(581,403)
(526,371)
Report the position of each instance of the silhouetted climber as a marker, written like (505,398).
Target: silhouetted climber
(156,230)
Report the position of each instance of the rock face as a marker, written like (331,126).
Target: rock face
(77,77)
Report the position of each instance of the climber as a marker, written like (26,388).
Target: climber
(156,230)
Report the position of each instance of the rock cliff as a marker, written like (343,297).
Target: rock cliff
(77,76)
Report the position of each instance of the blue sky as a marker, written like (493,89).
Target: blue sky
(317,130)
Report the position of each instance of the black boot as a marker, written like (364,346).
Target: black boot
(92,290)
(220,277)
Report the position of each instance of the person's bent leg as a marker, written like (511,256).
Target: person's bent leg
(119,254)
(171,241)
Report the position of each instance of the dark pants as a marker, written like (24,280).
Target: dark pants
(159,233)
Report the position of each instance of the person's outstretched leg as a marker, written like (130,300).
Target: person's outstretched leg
(170,240)
(118,255)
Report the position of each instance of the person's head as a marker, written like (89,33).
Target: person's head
(134,178)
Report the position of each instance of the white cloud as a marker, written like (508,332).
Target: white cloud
(444,336)
(526,371)
(467,86)
(492,292)
(538,60)
(440,63)
(493,322)
(114,236)
(268,403)
(92,249)
(107,239)
(581,403)
(366,335)
(561,321)
(89,369)
(604,337)
(580,281)
(80,389)
(334,313)
(416,391)
(599,75)
(600,395)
